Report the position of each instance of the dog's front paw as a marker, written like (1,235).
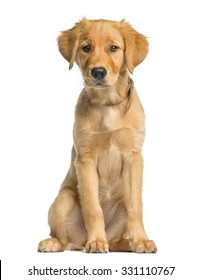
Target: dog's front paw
(97,246)
(50,245)
(144,246)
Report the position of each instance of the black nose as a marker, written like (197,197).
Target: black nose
(99,73)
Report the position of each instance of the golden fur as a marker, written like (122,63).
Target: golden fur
(99,205)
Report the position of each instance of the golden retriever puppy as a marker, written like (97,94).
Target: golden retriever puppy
(99,205)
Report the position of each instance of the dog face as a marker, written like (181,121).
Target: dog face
(100,54)
(103,49)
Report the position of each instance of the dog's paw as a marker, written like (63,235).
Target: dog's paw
(144,246)
(97,246)
(50,245)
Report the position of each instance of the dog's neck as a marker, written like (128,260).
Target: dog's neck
(114,95)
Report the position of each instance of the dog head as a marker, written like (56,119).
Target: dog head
(103,49)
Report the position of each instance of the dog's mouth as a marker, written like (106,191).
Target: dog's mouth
(100,85)
(95,84)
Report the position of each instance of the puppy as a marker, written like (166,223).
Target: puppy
(99,205)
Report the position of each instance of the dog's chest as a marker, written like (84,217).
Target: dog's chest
(110,119)
(110,154)
(109,171)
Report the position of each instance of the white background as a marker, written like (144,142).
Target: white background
(37,99)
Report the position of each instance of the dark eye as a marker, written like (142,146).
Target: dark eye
(113,48)
(86,48)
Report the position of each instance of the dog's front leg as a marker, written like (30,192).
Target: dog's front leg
(132,176)
(93,215)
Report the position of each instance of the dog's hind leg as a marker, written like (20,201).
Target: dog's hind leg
(67,231)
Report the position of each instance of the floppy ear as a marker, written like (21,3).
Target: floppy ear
(68,44)
(136,45)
